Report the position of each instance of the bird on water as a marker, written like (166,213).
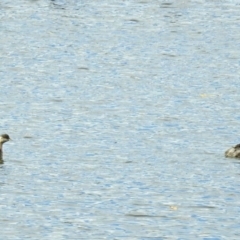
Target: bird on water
(3,138)
(233,152)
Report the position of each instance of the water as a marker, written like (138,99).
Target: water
(120,112)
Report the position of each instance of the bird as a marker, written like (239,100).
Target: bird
(3,138)
(233,152)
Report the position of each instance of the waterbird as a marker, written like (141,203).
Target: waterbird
(233,152)
(3,138)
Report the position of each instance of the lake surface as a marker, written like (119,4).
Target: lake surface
(120,113)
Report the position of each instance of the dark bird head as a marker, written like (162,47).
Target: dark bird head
(4,138)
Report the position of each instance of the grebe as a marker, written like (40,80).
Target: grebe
(233,152)
(3,138)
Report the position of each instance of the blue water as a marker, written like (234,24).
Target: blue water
(120,113)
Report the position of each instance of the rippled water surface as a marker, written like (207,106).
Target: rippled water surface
(120,112)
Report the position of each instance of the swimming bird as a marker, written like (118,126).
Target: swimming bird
(3,138)
(233,152)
